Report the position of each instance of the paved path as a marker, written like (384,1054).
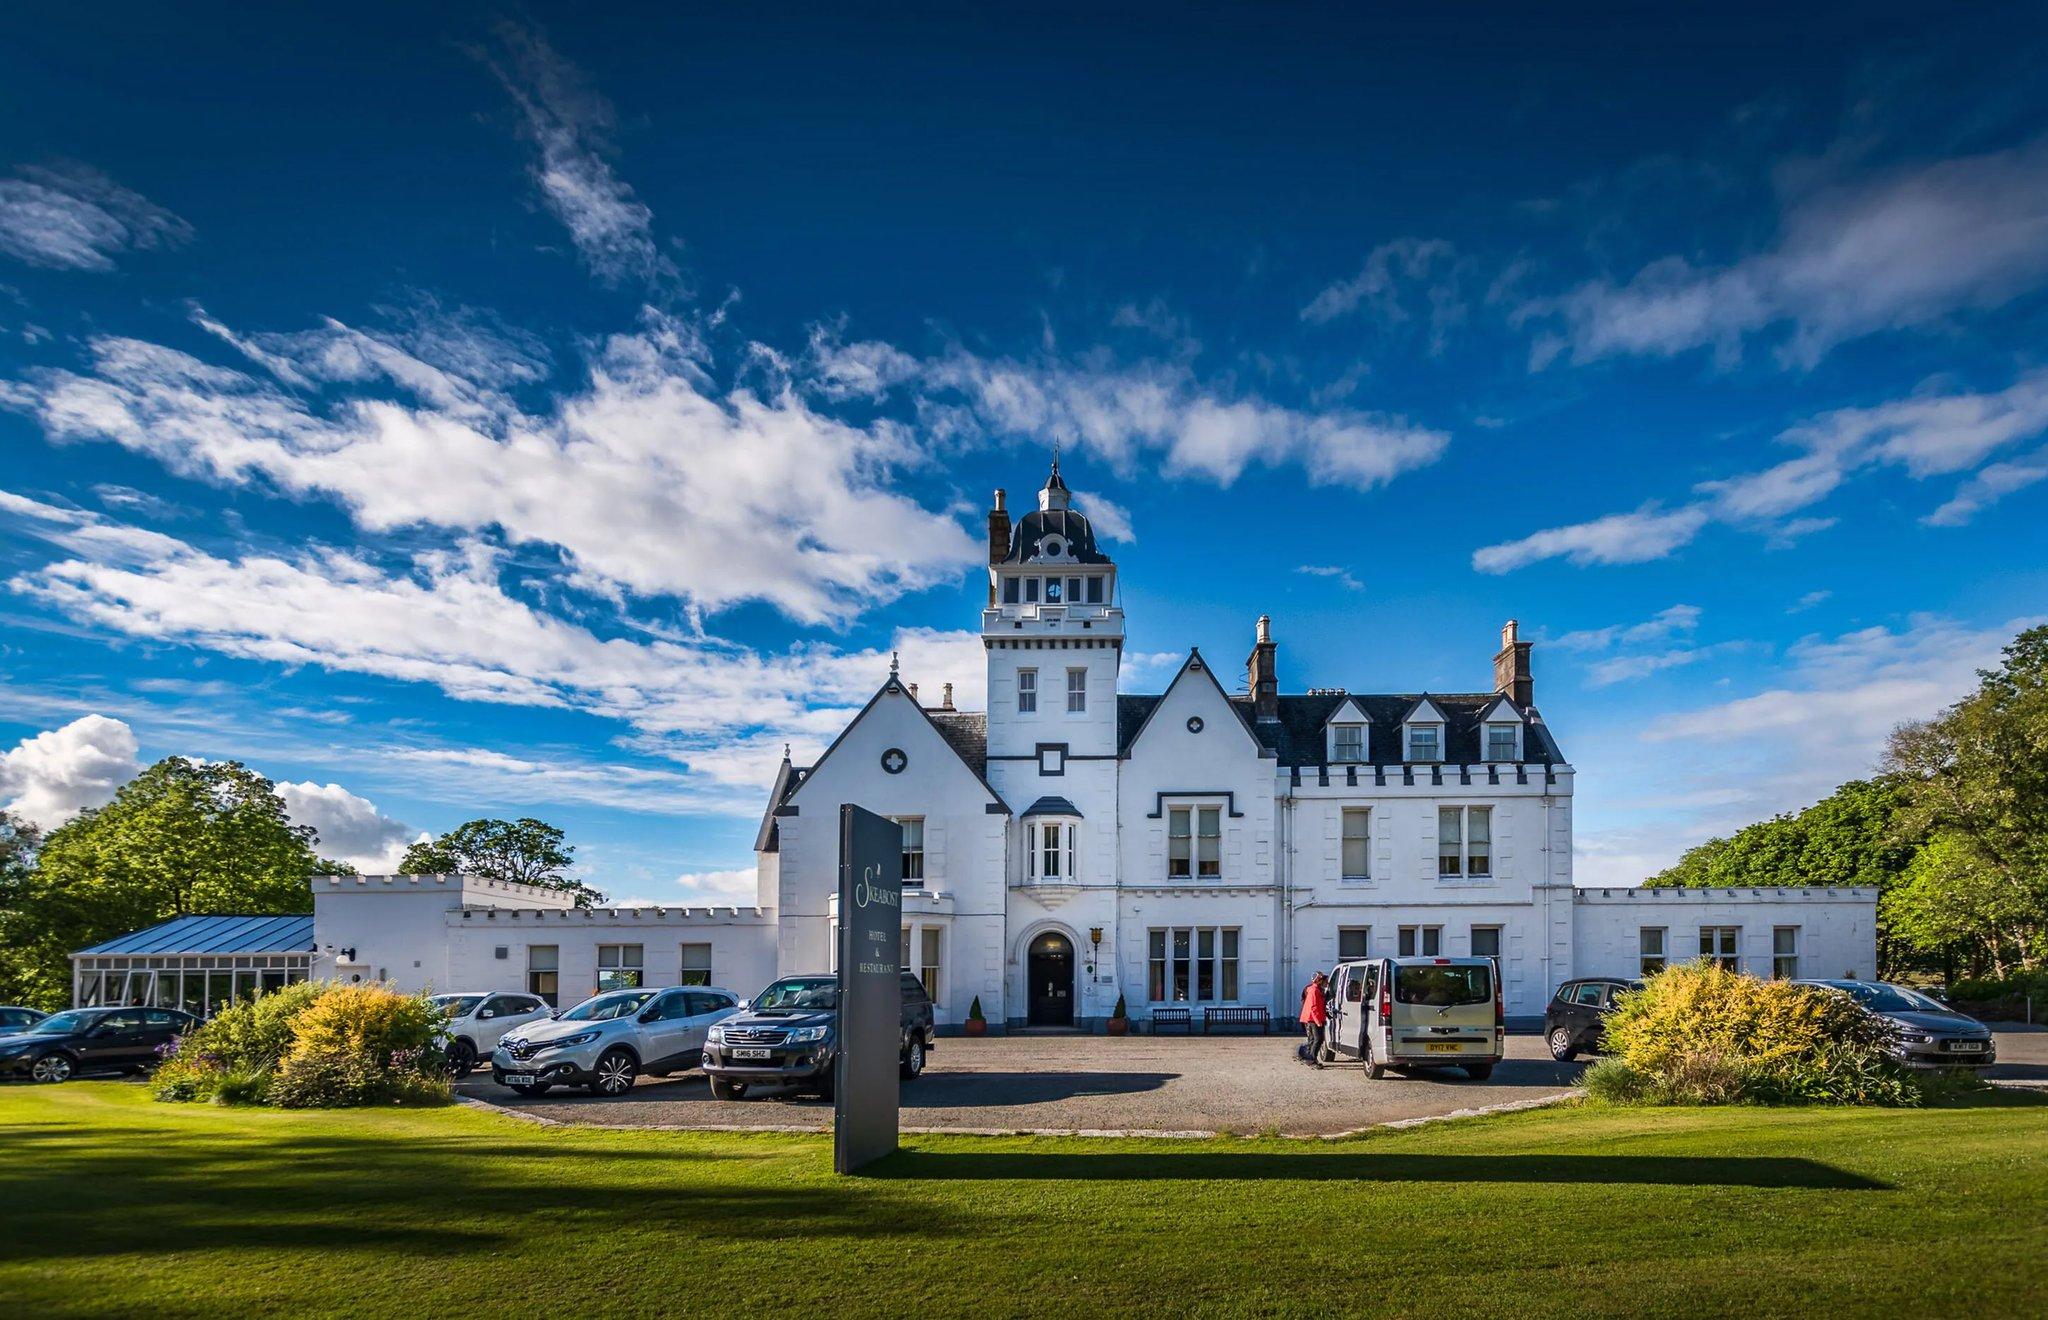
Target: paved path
(1241,1084)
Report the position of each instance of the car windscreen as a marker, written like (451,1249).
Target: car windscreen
(63,1024)
(1442,987)
(799,994)
(458,1006)
(1892,999)
(606,1007)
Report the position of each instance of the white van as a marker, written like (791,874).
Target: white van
(1418,1013)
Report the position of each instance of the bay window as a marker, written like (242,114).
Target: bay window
(1054,844)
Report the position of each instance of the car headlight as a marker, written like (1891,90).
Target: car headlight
(580,1038)
(715,1036)
(805,1035)
(1914,1037)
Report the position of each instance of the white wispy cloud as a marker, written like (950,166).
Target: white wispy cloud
(1663,624)
(1934,433)
(1907,246)
(1158,411)
(571,128)
(1400,282)
(71,217)
(1341,576)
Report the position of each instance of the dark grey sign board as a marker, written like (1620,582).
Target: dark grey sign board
(866,1092)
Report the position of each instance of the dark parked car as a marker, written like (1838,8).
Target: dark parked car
(14,1018)
(91,1040)
(1926,1033)
(1577,1017)
(789,1036)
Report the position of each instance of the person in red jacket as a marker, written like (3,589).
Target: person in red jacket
(1315,1012)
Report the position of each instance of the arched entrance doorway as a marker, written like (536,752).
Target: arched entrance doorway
(1049,969)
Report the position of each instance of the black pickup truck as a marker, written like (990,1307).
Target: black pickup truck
(789,1037)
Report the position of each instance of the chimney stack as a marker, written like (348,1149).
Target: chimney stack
(998,537)
(946,702)
(1262,672)
(913,691)
(1511,677)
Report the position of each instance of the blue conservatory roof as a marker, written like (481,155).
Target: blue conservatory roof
(215,934)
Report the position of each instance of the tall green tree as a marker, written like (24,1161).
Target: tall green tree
(1977,776)
(524,851)
(1853,836)
(180,838)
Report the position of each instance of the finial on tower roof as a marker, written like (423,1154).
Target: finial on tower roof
(892,664)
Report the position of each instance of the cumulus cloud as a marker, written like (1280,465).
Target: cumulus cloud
(351,828)
(571,127)
(735,888)
(1111,521)
(51,777)
(1934,433)
(73,218)
(1904,247)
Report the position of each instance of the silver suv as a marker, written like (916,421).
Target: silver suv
(608,1040)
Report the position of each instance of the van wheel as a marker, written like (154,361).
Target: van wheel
(1374,1069)
(615,1073)
(913,1059)
(724,1088)
(1561,1047)
(1479,1072)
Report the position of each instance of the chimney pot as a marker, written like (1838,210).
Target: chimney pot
(946,702)
(913,691)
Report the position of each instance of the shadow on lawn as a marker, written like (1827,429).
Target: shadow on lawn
(1349,1166)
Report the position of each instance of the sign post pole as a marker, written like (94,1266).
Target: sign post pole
(866,1087)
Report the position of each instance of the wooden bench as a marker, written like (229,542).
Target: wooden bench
(1237,1017)
(1183,1018)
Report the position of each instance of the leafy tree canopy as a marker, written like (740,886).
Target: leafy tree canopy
(1851,837)
(179,838)
(524,851)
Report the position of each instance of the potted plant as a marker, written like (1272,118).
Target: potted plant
(1119,1019)
(976,1024)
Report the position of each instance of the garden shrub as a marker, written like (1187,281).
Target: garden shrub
(313,1044)
(2007,997)
(1698,1034)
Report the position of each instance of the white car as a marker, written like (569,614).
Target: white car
(479,1019)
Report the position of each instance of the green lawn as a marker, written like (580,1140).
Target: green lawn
(112,1204)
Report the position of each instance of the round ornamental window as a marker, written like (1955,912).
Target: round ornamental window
(1054,546)
(894,760)
(1194,724)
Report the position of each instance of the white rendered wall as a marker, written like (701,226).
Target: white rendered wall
(394,923)
(742,944)
(1837,927)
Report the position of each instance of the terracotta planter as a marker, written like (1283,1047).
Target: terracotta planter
(975,1027)
(1118,1026)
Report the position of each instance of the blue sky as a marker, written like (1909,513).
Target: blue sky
(536,412)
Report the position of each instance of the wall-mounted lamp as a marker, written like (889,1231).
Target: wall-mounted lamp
(1094,947)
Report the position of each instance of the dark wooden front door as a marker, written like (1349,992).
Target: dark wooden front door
(1050,967)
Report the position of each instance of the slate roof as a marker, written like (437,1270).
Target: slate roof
(1039,523)
(1297,738)
(967,733)
(1052,806)
(215,935)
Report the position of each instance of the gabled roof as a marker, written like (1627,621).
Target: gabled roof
(1347,711)
(1426,711)
(216,935)
(1489,713)
(1132,720)
(769,838)
(966,734)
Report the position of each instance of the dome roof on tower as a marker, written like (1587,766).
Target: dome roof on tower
(1054,532)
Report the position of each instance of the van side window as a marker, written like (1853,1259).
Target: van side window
(1372,980)
(1354,990)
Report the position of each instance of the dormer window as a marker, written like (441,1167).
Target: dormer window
(1503,742)
(1347,743)
(1425,742)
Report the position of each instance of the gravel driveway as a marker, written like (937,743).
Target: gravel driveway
(1242,1084)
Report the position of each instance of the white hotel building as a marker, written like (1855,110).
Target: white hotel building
(1076,843)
